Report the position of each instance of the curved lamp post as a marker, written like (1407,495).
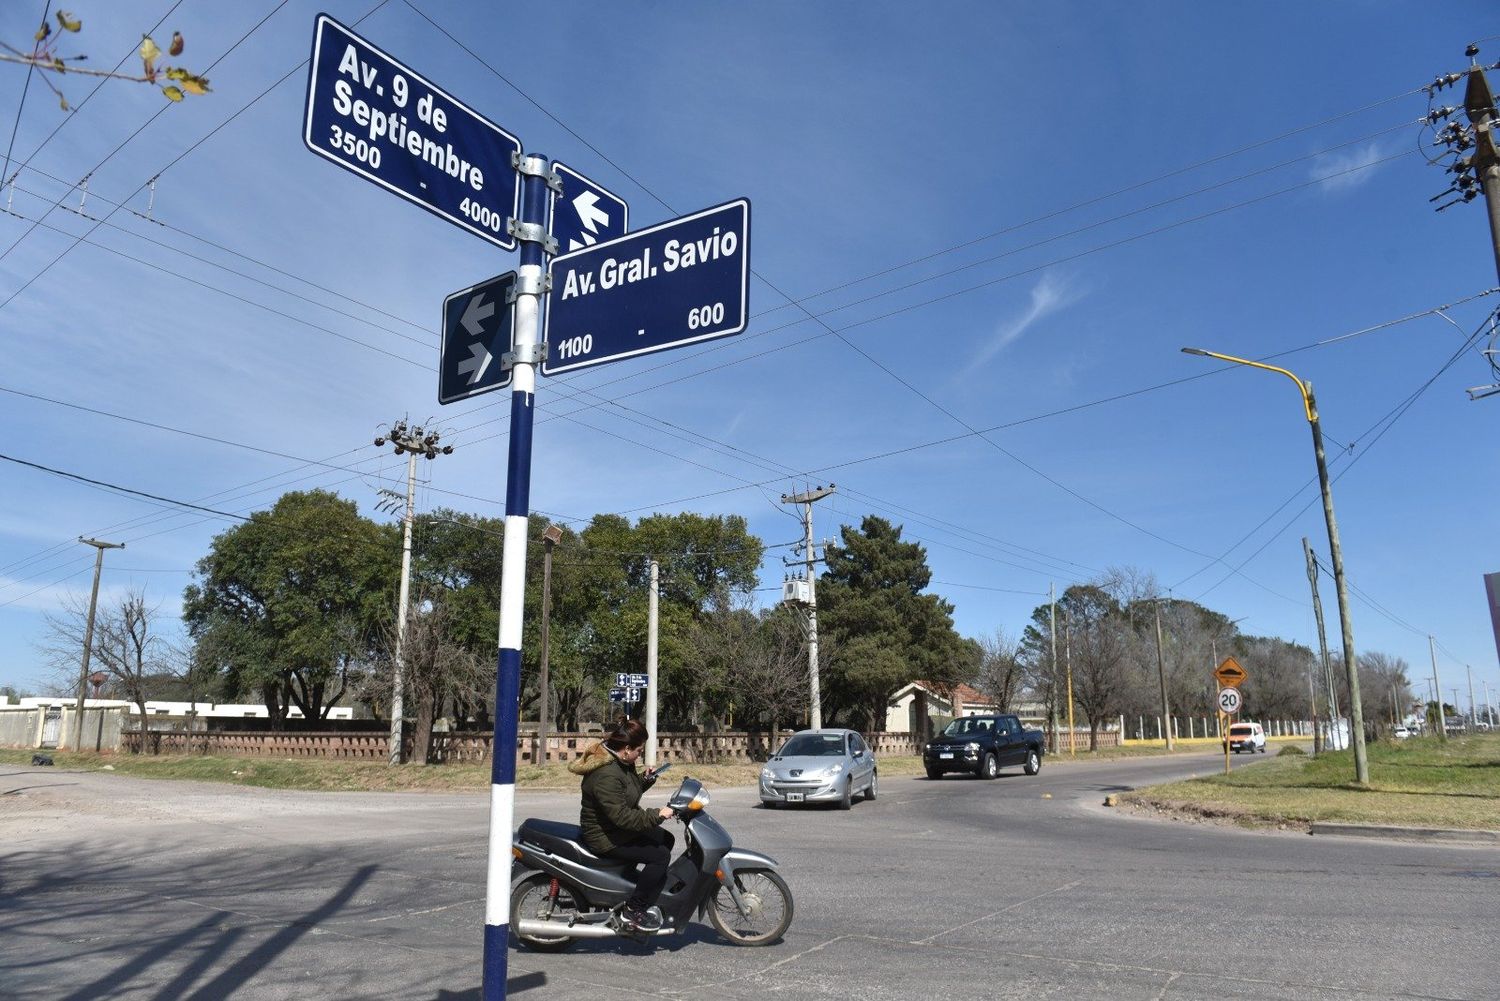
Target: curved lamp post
(1310,407)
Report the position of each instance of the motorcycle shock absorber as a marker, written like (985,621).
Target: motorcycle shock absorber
(552,891)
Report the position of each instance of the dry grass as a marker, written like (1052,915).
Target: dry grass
(1421,782)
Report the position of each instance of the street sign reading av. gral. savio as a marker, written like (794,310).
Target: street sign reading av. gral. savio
(675,283)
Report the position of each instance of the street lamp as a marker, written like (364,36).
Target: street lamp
(1310,407)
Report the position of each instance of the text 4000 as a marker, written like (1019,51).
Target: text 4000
(362,151)
(575,347)
(706,316)
(481,214)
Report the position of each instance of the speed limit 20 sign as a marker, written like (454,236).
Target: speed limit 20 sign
(1229,701)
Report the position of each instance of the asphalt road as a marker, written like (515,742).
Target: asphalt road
(112,887)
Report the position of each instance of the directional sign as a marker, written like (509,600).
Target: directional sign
(672,284)
(1230,674)
(623,680)
(477,329)
(585,213)
(617,694)
(371,114)
(1229,701)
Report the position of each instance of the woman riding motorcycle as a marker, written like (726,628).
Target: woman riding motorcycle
(614,823)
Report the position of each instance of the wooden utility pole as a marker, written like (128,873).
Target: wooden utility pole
(551,535)
(88,642)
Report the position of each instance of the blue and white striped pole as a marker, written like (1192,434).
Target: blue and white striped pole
(526,354)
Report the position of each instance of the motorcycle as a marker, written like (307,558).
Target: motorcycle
(562,892)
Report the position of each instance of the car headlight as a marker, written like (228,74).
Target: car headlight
(835,769)
(765,775)
(973,745)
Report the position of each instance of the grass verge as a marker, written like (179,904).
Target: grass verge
(1421,782)
(320,774)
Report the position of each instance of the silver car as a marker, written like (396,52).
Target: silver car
(820,766)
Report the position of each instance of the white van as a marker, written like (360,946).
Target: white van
(1246,737)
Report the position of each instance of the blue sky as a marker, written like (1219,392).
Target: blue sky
(987,199)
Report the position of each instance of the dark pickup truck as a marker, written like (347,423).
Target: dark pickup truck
(982,745)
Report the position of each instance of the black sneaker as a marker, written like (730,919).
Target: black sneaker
(641,920)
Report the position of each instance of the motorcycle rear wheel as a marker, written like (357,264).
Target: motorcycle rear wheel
(770,903)
(529,900)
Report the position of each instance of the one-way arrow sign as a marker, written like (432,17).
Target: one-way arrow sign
(585,213)
(477,329)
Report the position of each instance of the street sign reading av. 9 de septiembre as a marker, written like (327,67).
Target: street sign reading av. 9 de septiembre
(371,114)
(671,284)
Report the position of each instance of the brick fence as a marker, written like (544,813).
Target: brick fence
(689,747)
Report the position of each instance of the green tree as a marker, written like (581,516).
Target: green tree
(877,630)
(1092,636)
(290,603)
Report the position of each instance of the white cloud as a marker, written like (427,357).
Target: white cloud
(1347,170)
(1050,294)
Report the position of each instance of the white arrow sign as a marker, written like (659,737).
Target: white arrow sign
(476,364)
(592,217)
(475,313)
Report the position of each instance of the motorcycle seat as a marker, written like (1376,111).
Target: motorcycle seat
(564,841)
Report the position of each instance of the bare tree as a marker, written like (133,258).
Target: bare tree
(761,660)
(127,646)
(437,669)
(1000,673)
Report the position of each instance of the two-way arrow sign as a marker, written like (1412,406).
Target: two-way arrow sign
(477,327)
(585,213)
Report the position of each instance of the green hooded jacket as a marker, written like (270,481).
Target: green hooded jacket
(611,815)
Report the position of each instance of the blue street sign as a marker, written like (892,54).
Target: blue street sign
(585,213)
(477,328)
(638,680)
(617,695)
(671,284)
(622,679)
(371,114)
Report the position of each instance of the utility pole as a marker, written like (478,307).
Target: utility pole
(651,648)
(414,442)
(1437,690)
(1472,718)
(814,695)
(1161,676)
(1052,679)
(1333,695)
(1479,106)
(551,536)
(88,641)
(1072,731)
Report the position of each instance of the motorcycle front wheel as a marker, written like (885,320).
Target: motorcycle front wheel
(768,900)
(530,899)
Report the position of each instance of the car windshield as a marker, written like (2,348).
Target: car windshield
(814,745)
(968,726)
(1241,731)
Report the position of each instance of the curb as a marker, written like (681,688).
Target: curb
(1443,834)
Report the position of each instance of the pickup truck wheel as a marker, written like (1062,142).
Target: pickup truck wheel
(989,768)
(933,774)
(1033,762)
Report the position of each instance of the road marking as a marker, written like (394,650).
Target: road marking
(429,910)
(1009,907)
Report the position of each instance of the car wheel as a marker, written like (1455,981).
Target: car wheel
(1033,762)
(769,804)
(990,767)
(874,780)
(847,800)
(934,773)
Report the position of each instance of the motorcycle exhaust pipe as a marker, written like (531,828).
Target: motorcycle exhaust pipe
(537,928)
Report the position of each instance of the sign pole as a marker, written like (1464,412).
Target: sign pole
(531,232)
(1224,729)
